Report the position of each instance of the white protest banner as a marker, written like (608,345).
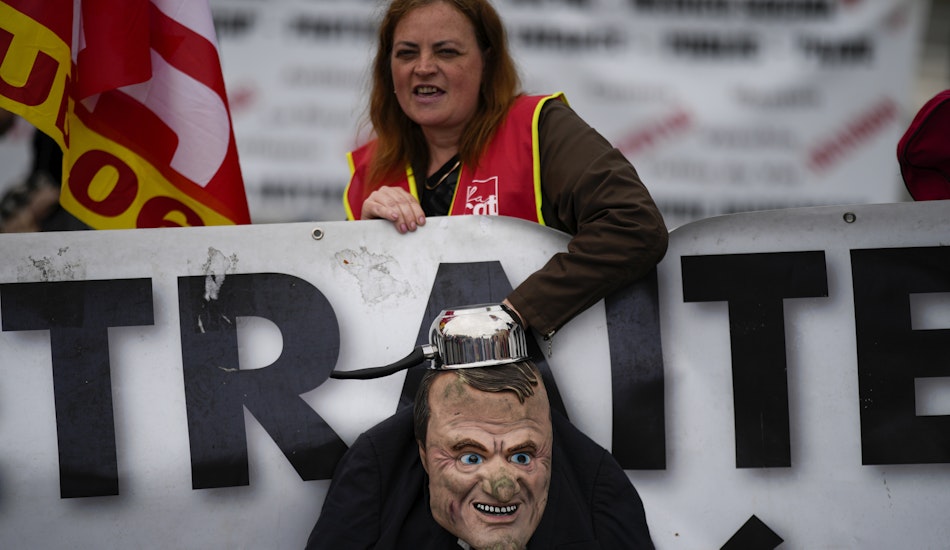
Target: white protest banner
(722,105)
(805,354)
(782,378)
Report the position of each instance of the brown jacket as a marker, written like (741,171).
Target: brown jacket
(591,191)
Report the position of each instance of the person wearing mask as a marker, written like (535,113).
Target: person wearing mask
(480,462)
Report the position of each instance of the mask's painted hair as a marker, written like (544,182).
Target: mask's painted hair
(521,378)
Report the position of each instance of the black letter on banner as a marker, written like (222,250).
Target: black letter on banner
(754,285)
(216,390)
(891,354)
(636,365)
(469,284)
(78,315)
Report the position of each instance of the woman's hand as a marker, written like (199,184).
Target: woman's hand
(511,308)
(396,205)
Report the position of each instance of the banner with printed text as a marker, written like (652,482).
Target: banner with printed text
(781,382)
(133,93)
(722,105)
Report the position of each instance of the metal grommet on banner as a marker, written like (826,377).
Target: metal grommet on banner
(850,217)
(317,233)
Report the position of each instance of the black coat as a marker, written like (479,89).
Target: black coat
(379,497)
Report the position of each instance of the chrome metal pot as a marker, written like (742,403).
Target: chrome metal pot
(477,336)
(465,337)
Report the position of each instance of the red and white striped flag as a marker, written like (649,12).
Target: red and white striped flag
(132,91)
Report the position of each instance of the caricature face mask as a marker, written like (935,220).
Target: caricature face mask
(488,457)
(487,453)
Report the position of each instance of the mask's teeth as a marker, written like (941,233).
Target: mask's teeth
(499,510)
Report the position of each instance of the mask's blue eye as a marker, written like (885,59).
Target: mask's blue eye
(521,458)
(471,458)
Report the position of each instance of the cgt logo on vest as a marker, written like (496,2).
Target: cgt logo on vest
(481,197)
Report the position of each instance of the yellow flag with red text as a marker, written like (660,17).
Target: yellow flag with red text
(132,91)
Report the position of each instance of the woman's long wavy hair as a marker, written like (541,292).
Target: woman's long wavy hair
(399,139)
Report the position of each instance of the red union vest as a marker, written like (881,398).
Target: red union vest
(507,181)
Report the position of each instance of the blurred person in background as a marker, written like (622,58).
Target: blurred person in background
(33,203)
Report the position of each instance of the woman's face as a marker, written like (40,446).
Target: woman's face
(437,69)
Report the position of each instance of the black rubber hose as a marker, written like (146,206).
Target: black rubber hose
(415,358)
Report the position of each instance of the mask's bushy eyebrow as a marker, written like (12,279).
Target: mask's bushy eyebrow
(468,444)
(528,446)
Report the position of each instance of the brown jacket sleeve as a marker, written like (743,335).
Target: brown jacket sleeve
(591,191)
